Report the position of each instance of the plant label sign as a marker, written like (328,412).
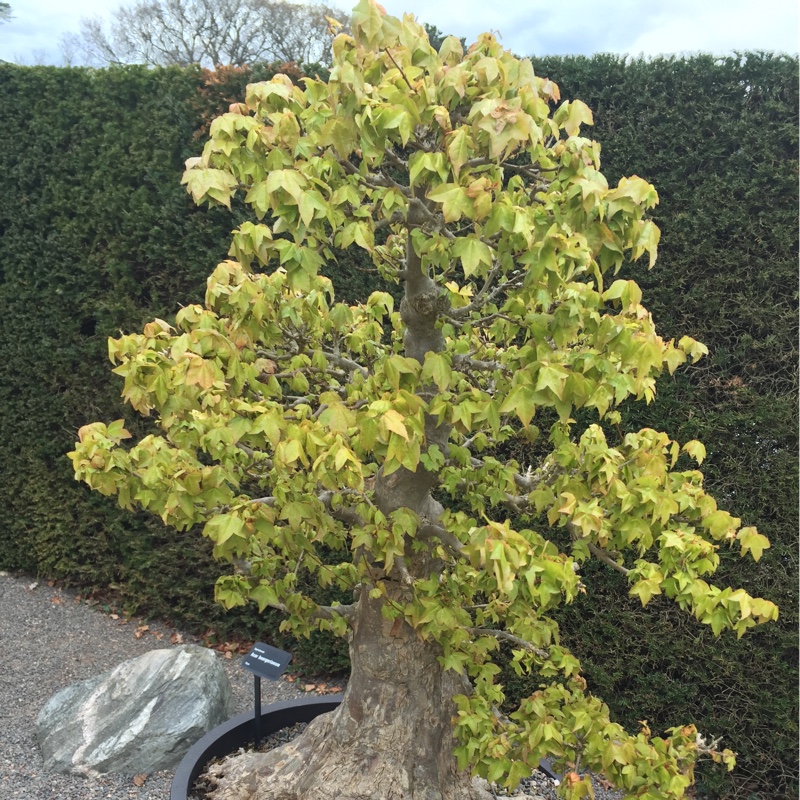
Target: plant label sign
(266,661)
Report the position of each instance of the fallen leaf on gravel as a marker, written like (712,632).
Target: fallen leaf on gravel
(51,584)
(33,585)
(138,780)
(159,636)
(309,687)
(141,630)
(176,638)
(114,616)
(55,600)
(228,654)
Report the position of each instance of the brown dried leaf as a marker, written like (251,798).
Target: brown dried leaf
(176,638)
(138,780)
(309,687)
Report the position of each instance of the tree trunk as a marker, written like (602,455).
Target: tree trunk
(391,738)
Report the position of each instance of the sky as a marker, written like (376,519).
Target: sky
(527,27)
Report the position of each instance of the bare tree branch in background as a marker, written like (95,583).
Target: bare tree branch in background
(208,32)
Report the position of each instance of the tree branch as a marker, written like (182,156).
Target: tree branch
(449,542)
(344,514)
(509,637)
(603,556)
(463,361)
(323,612)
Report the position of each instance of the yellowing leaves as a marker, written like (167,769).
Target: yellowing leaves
(752,542)
(438,370)
(394,422)
(721,525)
(694,349)
(695,449)
(522,402)
(627,292)
(571,115)
(646,589)
(337,418)
(552,377)
(288,180)
(204,183)
(455,201)
(201,372)
(473,252)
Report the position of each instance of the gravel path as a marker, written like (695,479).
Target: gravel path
(49,639)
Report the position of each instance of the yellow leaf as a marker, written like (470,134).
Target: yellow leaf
(394,422)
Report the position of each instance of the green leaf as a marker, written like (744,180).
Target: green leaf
(312,202)
(337,418)
(473,252)
(222,527)
(695,449)
(459,148)
(288,180)
(216,184)
(753,542)
(646,589)
(553,377)
(520,401)
(438,370)
(454,200)
(395,423)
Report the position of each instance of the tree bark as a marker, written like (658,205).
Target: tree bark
(391,738)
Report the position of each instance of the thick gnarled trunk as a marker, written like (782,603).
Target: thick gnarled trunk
(391,738)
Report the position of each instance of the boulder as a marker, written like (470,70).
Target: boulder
(139,717)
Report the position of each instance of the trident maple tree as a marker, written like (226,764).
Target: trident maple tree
(293,425)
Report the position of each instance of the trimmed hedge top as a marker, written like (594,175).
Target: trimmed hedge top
(97,236)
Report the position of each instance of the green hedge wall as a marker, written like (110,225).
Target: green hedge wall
(719,139)
(97,236)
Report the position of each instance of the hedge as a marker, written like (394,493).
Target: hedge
(97,236)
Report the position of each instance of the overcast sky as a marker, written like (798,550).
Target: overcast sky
(542,27)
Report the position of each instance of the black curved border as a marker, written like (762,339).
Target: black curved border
(238,731)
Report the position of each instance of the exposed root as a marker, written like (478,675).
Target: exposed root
(316,766)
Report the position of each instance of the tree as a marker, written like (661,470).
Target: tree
(207,32)
(5,12)
(292,424)
(436,37)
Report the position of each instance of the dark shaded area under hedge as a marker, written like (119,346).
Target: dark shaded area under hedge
(97,236)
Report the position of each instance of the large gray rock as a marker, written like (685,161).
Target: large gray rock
(142,716)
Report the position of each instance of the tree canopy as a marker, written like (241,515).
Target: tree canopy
(293,425)
(207,32)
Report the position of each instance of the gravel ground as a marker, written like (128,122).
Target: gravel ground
(49,639)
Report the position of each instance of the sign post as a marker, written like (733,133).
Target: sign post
(264,661)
